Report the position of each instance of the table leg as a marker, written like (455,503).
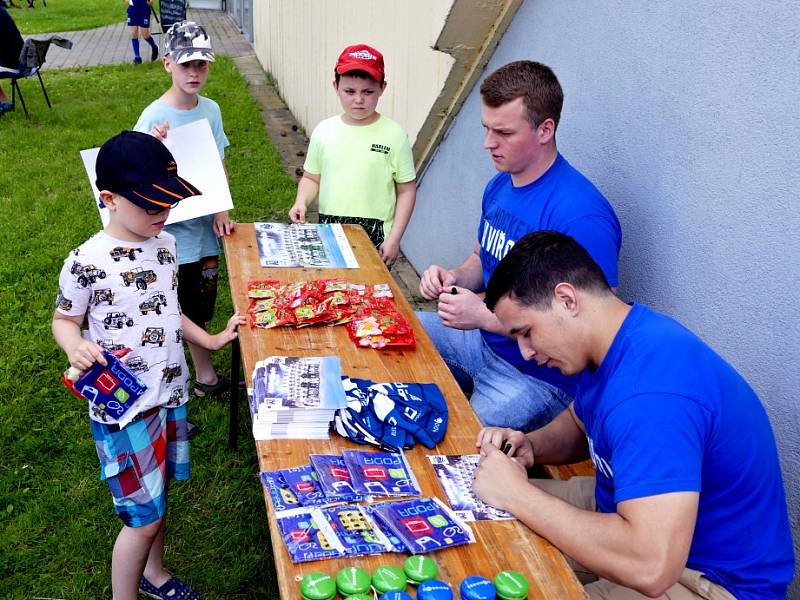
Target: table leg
(233,421)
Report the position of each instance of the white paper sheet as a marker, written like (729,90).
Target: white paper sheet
(198,162)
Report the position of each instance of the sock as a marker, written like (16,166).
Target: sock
(135,44)
(153,48)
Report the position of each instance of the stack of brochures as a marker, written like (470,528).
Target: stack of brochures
(295,398)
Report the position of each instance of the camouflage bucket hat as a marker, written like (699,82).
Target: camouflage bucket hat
(185,41)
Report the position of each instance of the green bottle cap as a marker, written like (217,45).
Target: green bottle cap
(317,586)
(511,586)
(389,578)
(420,568)
(352,580)
(359,597)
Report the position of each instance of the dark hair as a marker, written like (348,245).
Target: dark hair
(534,82)
(537,264)
(359,74)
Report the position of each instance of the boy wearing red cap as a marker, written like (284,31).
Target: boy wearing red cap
(360,162)
(122,282)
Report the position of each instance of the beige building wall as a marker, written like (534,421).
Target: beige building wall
(298,42)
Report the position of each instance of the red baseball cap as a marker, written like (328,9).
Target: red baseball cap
(361,58)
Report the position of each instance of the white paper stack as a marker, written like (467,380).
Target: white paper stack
(295,398)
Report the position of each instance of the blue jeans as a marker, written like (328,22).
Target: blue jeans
(502,396)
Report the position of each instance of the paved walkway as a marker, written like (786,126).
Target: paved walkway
(110,45)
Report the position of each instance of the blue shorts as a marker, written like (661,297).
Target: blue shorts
(137,462)
(138,17)
(502,395)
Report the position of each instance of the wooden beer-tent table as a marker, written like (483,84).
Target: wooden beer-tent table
(500,544)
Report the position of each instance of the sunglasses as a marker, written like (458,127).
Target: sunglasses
(155,211)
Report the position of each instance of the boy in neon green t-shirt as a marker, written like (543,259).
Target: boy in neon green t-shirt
(360,162)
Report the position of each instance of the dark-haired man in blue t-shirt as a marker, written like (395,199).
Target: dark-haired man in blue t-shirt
(536,189)
(689,499)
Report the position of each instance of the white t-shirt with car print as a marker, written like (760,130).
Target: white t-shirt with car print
(128,292)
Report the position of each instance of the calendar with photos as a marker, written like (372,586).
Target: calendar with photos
(323,246)
(455,474)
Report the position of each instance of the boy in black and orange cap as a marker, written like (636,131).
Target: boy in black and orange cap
(360,162)
(123,283)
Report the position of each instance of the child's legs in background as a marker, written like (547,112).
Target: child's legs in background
(132,551)
(197,293)
(135,41)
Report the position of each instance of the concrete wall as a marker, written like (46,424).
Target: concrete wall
(686,116)
(298,43)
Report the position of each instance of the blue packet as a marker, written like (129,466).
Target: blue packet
(304,483)
(381,473)
(356,530)
(380,524)
(282,496)
(308,536)
(424,524)
(334,478)
(112,389)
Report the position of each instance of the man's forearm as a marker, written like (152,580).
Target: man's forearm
(561,441)
(604,543)
(469,274)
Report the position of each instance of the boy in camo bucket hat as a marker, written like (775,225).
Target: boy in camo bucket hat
(187,58)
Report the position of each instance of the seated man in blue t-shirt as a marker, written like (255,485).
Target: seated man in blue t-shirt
(688,499)
(536,189)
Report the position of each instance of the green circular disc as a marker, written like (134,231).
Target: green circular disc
(420,568)
(389,578)
(511,585)
(359,597)
(318,586)
(352,580)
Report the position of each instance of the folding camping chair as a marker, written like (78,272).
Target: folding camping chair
(31,59)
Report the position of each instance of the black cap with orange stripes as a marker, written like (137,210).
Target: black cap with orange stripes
(139,167)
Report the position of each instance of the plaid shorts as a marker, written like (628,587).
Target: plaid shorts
(137,462)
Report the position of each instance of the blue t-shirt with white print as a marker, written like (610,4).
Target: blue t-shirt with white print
(560,200)
(664,413)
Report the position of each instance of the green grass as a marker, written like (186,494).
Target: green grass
(57,523)
(67,15)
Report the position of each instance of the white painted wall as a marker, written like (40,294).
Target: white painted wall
(687,116)
(299,42)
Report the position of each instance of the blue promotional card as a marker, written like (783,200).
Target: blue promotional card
(308,536)
(303,482)
(356,530)
(424,524)
(381,473)
(334,478)
(112,389)
(282,496)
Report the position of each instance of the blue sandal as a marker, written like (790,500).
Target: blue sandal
(209,390)
(173,589)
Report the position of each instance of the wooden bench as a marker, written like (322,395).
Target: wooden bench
(564,472)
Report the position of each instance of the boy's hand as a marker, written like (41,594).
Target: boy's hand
(160,131)
(389,250)
(434,281)
(85,354)
(227,335)
(223,224)
(297,214)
